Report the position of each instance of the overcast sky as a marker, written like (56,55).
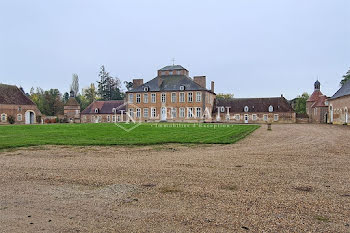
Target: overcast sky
(252,48)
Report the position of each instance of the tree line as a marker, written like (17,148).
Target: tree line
(51,102)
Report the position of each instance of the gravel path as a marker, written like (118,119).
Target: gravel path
(295,178)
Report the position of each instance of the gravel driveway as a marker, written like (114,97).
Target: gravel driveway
(295,178)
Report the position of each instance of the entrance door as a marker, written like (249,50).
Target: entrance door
(346,116)
(29,118)
(163,114)
(331,119)
(246,118)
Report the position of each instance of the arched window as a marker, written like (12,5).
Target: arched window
(222,109)
(246,108)
(114,110)
(3,117)
(270,108)
(19,117)
(96,110)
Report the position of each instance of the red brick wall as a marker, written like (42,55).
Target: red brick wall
(16,110)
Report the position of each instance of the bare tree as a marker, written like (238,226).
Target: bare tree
(75,84)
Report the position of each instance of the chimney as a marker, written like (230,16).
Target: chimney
(281,95)
(212,86)
(137,82)
(200,80)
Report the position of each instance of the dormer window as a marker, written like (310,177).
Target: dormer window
(114,110)
(96,110)
(146,89)
(270,108)
(246,108)
(222,109)
(182,88)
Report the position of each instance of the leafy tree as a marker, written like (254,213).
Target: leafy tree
(222,96)
(90,93)
(49,102)
(65,97)
(300,103)
(128,85)
(346,77)
(108,87)
(75,84)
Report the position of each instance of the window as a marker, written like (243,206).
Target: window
(270,108)
(198,112)
(275,117)
(182,88)
(99,118)
(96,110)
(178,72)
(131,98)
(153,97)
(145,112)
(173,113)
(163,97)
(145,88)
(198,97)
(108,118)
(114,110)
(173,97)
(19,117)
(138,98)
(266,117)
(19,109)
(189,97)
(3,117)
(170,72)
(254,117)
(76,112)
(246,108)
(131,112)
(182,112)
(113,118)
(163,73)
(145,98)
(237,117)
(118,118)
(153,112)
(189,112)
(222,109)
(182,97)
(138,112)
(92,118)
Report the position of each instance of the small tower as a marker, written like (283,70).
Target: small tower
(72,109)
(317,86)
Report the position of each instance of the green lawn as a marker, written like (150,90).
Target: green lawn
(109,134)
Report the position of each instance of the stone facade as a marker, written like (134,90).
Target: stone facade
(14,103)
(255,110)
(339,105)
(104,112)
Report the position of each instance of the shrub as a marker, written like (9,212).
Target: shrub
(11,119)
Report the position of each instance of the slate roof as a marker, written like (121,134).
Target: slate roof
(343,91)
(13,95)
(72,102)
(104,107)
(175,67)
(169,83)
(279,104)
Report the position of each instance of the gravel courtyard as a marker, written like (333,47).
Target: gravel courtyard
(295,178)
